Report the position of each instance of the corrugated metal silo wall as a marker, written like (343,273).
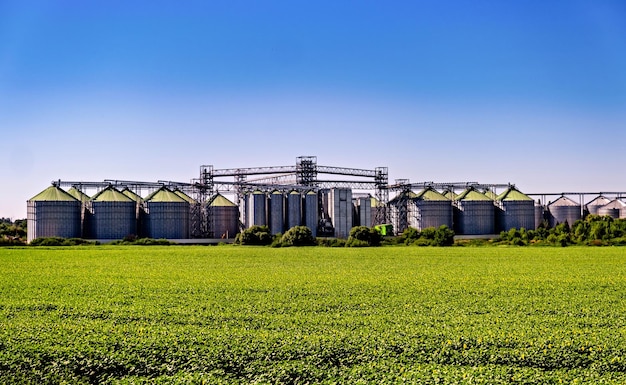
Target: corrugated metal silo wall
(168,220)
(365,211)
(257,213)
(277,213)
(53,219)
(112,220)
(311,212)
(294,210)
(516,215)
(560,214)
(340,211)
(433,214)
(475,218)
(612,212)
(225,221)
(539,215)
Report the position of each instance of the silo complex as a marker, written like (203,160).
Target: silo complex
(224,217)
(311,211)
(433,209)
(615,209)
(53,213)
(340,211)
(563,210)
(294,209)
(515,210)
(277,212)
(474,213)
(166,215)
(257,212)
(596,204)
(112,215)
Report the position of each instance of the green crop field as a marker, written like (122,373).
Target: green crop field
(187,314)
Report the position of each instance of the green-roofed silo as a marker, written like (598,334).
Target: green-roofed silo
(167,215)
(474,213)
(311,211)
(139,210)
(294,209)
(433,209)
(195,214)
(563,210)
(112,215)
(515,210)
(53,213)
(85,201)
(224,217)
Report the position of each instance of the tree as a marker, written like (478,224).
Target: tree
(255,235)
(363,236)
(298,236)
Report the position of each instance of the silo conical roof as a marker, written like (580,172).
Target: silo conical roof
(614,204)
(600,200)
(110,194)
(513,194)
(405,194)
(53,193)
(164,195)
(221,201)
(563,201)
(131,194)
(430,194)
(185,197)
(490,194)
(470,194)
(76,193)
(450,194)
(374,202)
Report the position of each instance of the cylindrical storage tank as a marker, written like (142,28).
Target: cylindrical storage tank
(112,215)
(433,209)
(340,211)
(474,214)
(515,210)
(563,210)
(166,215)
(195,214)
(53,213)
(614,209)
(365,211)
(311,211)
(257,212)
(84,203)
(539,214)
(277,212)
(139,211)
(224,216)
(294,209)
(596,204)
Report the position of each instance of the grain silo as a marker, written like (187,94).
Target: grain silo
(365,211)
(195,213)
(85,202)
(433,209)
(166,215)
(277,212)
(515,210)
(224,216)
(594,205)
(563,210)
(139,211)
(257,212)
(311,211)
(539,214)
(294,209)
(340,211)
(615,209)
(53,213)
(474,213)
(112,215)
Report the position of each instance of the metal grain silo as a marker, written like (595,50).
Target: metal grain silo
(563,210)
(112,215)
(340,211)
(140,214)
(474,213)
(594,205)
(195,213)
(311,211)
(85,203)
(257,212)
(515,210)
(614,209)
(365,211)
(539,214)
(294,209)
(166,215)
(224,216)
(53,213)
(277,212)
(433,209)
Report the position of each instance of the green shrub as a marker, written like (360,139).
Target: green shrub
(361,236)
(255,235)
(298,236)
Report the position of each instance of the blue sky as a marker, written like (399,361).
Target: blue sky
(529,92)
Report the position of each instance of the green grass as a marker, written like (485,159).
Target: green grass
(319,315)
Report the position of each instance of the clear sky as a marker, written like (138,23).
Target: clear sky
(527,92)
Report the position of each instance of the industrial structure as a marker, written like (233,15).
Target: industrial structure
(329,200)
